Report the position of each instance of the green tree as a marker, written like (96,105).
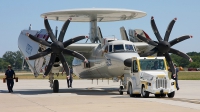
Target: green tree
(3,65)
(13,58)
(185,63)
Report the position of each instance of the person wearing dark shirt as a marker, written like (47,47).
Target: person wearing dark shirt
(155,66)
(70,78)
(10,74)
(175,76)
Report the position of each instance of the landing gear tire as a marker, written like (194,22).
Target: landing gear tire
(127,92)
(130,91)
(157,95)
(137,95)
(120,90)
(162,95)
(171,95)
(55,86)
(144,93)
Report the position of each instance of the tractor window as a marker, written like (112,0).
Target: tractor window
(134,66)
(152,64)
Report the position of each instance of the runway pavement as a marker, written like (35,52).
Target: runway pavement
(35,95)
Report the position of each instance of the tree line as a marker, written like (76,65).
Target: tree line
(185,63)
(15,59)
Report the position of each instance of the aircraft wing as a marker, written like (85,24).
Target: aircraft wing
(141,46)
(86,48)
(83,47)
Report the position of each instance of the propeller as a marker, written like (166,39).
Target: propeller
(57,47)
(163,47)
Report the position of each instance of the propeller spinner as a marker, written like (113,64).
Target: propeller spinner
(57,47)
(163,47)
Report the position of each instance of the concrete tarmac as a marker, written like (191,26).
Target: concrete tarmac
(36,96)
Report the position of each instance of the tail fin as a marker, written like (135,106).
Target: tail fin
(124,35)
(99,34)
(134,38)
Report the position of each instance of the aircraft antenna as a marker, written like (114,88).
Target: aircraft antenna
(29,27)
(56,32)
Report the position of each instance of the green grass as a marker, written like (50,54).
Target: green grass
(188,75)
(191,75)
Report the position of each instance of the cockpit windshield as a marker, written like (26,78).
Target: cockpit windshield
(129,47)
(152,64)
(123,48)
(119,47)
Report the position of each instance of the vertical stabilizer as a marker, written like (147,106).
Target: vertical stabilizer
(99,34)
(29,47)
(124,35)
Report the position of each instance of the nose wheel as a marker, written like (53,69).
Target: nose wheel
(55,86)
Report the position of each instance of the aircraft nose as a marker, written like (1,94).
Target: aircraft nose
(127,62)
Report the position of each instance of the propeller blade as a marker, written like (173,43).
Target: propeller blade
(151,52)
(63,30)
(169,61)
(48,28)
(51,62)
(155,29)
(169,29)
(73,40)
(43,42)
(177,40)
(74,54)
(41,54)
(146,40)
(181,54)
(64,63)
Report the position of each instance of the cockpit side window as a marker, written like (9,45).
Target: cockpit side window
(129,47)
(110,48)
(119,47)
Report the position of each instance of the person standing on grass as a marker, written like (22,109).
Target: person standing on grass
(10,75)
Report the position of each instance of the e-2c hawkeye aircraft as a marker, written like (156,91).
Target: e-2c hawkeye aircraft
(125,60)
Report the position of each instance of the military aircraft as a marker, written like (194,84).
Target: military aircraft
(103,57)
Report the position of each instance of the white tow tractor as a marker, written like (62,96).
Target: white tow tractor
(148,75)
